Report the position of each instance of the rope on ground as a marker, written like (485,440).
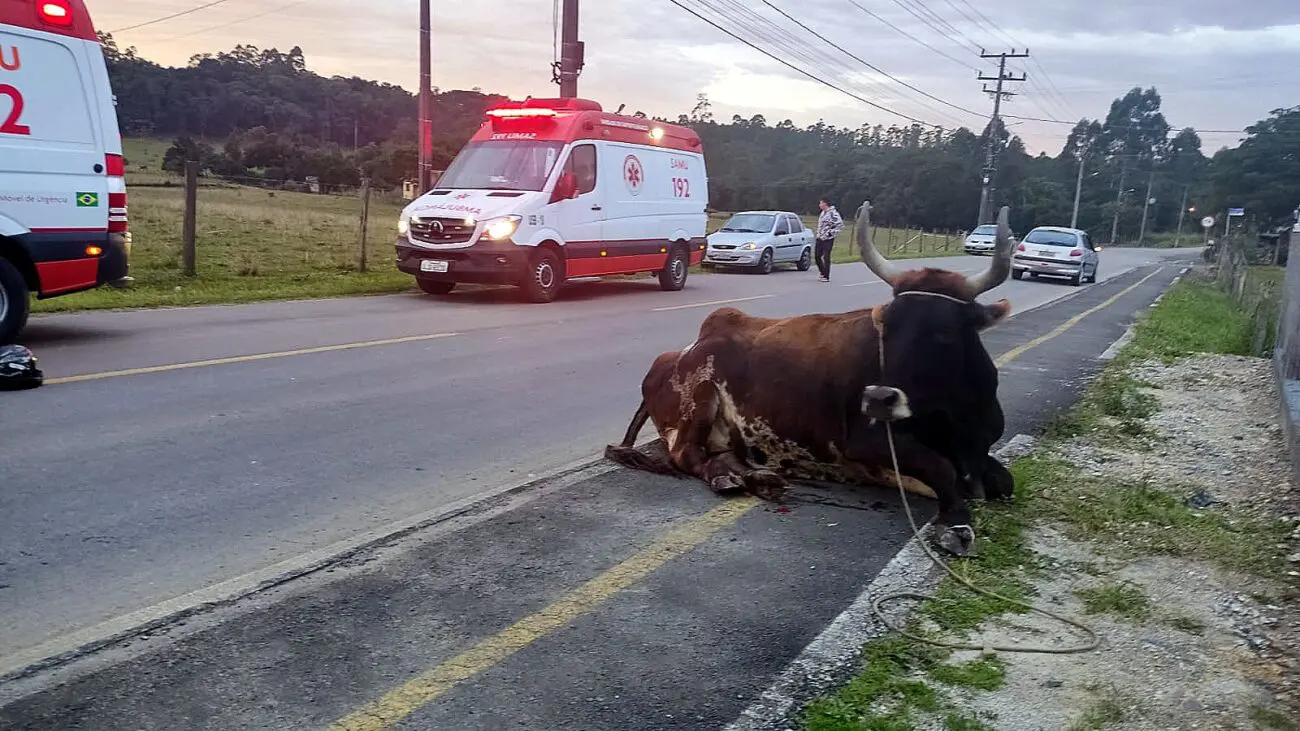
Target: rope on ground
(1087,646)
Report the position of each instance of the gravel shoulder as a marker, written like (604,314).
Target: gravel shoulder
(1161,512)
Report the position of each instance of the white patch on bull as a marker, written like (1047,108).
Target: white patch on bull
(669,435)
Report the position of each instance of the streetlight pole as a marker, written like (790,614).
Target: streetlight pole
(1119,195)
(1181,211)
(1142,233)
(1078,185)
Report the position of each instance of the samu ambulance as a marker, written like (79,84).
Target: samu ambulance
(63,226)
(553,189)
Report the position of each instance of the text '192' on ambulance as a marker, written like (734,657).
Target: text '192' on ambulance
(554,189)
(63,222)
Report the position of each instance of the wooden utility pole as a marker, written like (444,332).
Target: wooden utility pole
(571,51)
(365,220)
(990,157)
(190,227)
(1119,196)
(1078,186)
(426,101)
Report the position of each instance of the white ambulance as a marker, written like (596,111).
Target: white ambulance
(63,225)
(553,189)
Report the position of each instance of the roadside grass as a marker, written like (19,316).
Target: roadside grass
(901,683)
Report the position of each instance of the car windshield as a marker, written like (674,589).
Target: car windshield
(502,165)
(985,230)
(1051,238)
(750,223)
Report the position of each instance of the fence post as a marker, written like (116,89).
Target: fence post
(188,234)
(365,219)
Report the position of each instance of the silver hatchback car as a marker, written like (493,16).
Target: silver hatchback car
(1056,251)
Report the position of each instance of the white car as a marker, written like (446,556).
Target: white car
(980,241)
(1055,251)
(761,240)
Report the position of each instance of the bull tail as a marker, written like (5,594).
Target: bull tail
(629,456)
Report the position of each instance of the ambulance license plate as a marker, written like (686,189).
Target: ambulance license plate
(433,265)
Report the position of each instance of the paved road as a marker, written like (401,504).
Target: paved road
(128,489)
(605,600)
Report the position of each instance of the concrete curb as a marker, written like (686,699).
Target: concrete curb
(832,656)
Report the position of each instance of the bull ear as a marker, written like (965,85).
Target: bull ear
(989,316)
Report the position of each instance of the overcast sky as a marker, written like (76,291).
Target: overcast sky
(1218,64)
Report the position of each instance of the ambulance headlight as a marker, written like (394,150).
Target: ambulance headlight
(500,228)
(748,247)
(403,226)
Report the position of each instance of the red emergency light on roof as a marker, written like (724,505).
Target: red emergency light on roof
(517,113)
(55,12)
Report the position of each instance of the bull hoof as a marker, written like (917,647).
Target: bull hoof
(959,540)
(726,484)
(767,485)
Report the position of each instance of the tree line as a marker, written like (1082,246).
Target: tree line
(260,113)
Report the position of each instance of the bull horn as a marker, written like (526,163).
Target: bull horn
(1001,266)
(882,267)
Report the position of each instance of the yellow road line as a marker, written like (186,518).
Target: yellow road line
(1020,350)
(401,702)
(244,358)
(714,302)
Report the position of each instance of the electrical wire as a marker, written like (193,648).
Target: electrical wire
(164,18)
(244,19)
(811,76)
(877,69)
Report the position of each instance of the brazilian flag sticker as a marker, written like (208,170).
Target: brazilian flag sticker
(87,200)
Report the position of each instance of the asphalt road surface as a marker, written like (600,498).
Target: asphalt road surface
(177,449)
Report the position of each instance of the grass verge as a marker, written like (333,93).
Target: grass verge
(903,682)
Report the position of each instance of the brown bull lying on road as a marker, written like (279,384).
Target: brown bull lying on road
(755,401)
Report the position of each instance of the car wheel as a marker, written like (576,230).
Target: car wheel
(765,262)
(435,286)
(1076,280)
(805,260)
(1093,278)
(1017,273)
(542,282)
(15,302)
(673,276)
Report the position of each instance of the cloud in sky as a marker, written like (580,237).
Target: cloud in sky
(1217,64)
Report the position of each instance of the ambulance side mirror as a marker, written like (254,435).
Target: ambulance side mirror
(565,188)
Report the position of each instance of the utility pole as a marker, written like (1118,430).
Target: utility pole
(1182,211)
(990,157)
(1142,232)
(426,102)
(1078,185)
(571,52)
(1119,196)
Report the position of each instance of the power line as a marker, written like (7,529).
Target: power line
(815,78)
(859,6)
(244,19)
(205,6)
(878,70)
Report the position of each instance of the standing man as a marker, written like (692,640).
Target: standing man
(829,225)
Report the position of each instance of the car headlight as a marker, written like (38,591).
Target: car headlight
(501,228)
(403,226)
(749,246)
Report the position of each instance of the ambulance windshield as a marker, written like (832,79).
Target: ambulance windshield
(502,165)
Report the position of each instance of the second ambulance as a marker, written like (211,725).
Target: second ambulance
(552,189)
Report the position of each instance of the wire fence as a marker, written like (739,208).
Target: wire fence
(1247,269)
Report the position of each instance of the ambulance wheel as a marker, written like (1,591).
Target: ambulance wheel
(545,275)
(805,260)
(14,302)
(673,276)
(435,286)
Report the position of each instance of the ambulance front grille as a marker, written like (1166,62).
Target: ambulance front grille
(441,230)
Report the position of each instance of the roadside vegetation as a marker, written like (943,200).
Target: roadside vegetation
(1100,531)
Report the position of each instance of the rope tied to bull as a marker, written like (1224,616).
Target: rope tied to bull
(985,647)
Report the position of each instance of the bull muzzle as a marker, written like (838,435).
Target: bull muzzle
(885,403)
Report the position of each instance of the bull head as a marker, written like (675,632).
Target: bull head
(889,272)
